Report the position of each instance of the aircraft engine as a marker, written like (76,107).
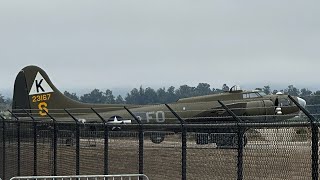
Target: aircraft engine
(261,107)
(302,102)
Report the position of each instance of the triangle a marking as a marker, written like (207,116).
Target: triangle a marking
(40,85)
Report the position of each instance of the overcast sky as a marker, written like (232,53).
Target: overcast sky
(127,43)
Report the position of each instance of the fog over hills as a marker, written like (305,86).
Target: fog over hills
(124,44)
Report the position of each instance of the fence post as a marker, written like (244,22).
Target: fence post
(315,149)
(18,142)
(3,147)
(35,167)
(77,142)
(106,142)
(315,139)
(141,140)
(55,143)
(240,141)
(184,143)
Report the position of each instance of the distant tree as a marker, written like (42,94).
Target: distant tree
(305,92)
(8,102)
(217,91)
(150,96)
(71,95)
(317,93)
(203,89)
(266,89)
(2,100)
(3,105)
(109,97)
(313,99)
(213,91)
(185,91)
(171,95)
(225,87)
(291,90)
(95,96)
(162,95)
(141,99)
(142,96)
(133,97)
(119,100)
(275,91)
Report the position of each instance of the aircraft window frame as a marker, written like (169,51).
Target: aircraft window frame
(245,96)
(254,95)
(262,94)
(251,95)
(284,102)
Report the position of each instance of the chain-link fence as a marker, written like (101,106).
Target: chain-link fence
(280,151)
(235,150)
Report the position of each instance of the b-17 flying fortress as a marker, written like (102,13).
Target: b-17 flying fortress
(35,93)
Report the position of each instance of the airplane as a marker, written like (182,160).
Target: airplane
(34,93)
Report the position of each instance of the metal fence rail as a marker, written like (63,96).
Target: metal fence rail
(85,177)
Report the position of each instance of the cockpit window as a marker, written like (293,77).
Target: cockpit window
(284,102)
(262,93)
(251,95)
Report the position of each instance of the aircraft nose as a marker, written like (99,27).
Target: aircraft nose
(302,102)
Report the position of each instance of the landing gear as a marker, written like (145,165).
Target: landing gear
(222,140)
(202,138)
(157,137)
(229,141)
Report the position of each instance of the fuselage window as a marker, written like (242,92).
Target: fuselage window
(251,95)
(284,102)
(262,94)
(254,95)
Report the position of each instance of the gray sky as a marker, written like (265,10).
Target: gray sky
(128,43)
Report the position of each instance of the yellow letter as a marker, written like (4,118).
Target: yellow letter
(43,108)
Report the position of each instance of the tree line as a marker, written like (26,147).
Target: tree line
(145,95)
(5,103)
(168,95)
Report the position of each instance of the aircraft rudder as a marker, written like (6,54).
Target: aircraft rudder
(20,98)
(34,90)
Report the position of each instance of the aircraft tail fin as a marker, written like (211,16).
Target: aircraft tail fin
(34,90)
